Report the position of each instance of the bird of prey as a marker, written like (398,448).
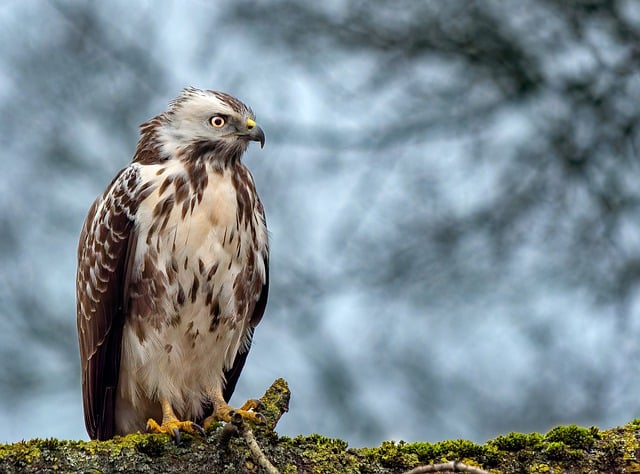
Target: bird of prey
(172,274)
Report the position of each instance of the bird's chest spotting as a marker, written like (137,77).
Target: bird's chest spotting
(203,245)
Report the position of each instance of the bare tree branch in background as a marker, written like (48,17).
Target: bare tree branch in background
(74,126)
(540,99)
(572,166)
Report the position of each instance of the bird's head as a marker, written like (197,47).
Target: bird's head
(205,124)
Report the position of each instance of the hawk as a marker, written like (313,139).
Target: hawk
(173,274)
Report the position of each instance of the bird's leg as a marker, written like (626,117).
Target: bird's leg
(171,425)
(223,412)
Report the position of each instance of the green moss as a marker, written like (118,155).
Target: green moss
(514,442)
(557,451)
(393,455)
(573,436)
(319,454)
(424,451)
(213,427)
(21,453)
(152,446)
(564,449)
(629,444)
(401,455)
(634,424)
(539,468)
(290,469)
(459,449)
(332,444)
(276,402)
(141,442)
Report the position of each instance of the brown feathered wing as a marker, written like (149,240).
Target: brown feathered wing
(105,254)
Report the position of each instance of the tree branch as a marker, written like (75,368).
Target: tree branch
(568,449)
(451,466)
(250,439)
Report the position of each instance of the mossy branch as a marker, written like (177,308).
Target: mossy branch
(567,449)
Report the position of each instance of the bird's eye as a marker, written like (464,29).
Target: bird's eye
(217,121)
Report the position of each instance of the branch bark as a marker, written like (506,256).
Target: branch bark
(258,449)
(451,466)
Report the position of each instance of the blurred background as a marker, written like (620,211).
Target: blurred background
(452,190)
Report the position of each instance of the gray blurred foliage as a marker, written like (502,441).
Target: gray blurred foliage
(462,70)
(451,188)
(72,80)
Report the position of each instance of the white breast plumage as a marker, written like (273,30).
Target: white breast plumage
(191,263)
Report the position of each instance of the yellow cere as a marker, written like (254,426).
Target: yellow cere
(250,124)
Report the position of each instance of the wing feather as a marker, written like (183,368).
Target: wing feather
(231,375)
(105,253)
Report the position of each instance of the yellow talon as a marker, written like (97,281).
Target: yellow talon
(171,425)
(223,412)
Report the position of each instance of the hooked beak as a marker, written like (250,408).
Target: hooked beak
(254,133)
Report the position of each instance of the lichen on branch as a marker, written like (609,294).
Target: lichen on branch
(567,449)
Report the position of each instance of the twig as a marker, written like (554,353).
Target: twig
(451,466)
(250,439)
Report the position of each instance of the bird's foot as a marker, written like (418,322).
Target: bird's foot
(247,412)
(173,427)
